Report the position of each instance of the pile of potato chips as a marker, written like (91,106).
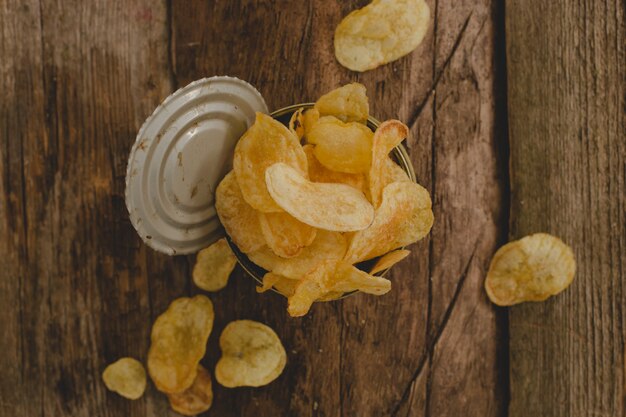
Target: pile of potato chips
(308,201)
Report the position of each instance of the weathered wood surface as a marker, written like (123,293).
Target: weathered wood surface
(566,91)
(79,289)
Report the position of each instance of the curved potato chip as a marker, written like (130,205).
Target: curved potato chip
(296,123)
(404,217)
(393,172)
(309,119)
(388,135)
(265,143)
(285,235)
(127,377)
(197,398)
(343,147)
(530,269)
(213,266)
(238,218)
(335,207)
(347,103)
(333,276)
(388,260)
(252,355)
(285,286)
(380,32)
(326,246)
(319,173)
(178,342)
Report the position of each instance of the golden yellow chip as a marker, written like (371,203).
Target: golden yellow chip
(326,246)
(178,342)
(239,219)
(265,143)
(381,32)
(530,269)
(389,260)
(388,135)
(333,276)
(197,398)
(296,123)
(342,147)
(127,377)
(393,173)
(285,286)
(252,355)
(213,266)
(335,207)
(404,216)
(285,235)
(319,173)
(347,103)
(309,119)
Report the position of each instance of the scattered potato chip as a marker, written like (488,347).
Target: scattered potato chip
(335,207)
(326,246)
(388,135)
(213,266)
(319,173)
(388,260)
(197,398)
(178,342)
(127,377)
(347,103)
(296,123)
(285,286)
(380,32)
(333,276)
(342,147)
(252,355)
(285,235)
(404,217)
(238,218)
(530,269)
(309,119)
(265,143)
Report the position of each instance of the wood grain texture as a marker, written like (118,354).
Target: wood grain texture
(566,93)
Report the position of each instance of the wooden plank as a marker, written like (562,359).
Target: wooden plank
(566,93)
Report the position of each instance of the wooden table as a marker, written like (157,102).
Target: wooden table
(79,289)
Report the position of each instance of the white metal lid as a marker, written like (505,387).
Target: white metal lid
(181,153)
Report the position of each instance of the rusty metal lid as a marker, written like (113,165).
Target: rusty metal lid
(181,153)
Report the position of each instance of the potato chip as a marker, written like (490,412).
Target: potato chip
(380,32)
(296,123)
(389,260)
(178,342)
(252,355)
(393,172)
(326,246)
(335,207)
(309,119)
(238,218)
(265,143)
(285,286)
(213,266)
(347,103)
(197,398)
(530,269)
(333,276)
(285,235)
(388,135)
(127,377)
(342,147)
(404,217)
(319,173)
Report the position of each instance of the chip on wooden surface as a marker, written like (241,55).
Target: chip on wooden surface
(127,377)
(381,32)
(319,173)
(252,355)
(326,246)
(342,147)
(388,260)
(178,342)
(239,219)
(388,135)
(348,103)
(213,266)
(404,216)
(285,235)
(265,143)
(530,269)
(197,398)
(335,207)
